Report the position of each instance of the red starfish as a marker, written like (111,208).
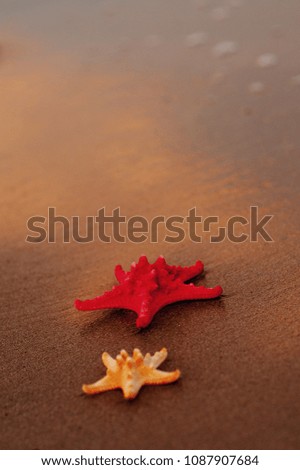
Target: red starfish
(146,288)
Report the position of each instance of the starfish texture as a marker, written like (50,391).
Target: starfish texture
(131,373)
(146,288)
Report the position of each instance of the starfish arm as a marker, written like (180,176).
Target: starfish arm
(120,273)
(158,358)
(160,263)
(191,292)
(159,377)
(144,315)
(143,320)
(147,360)
(189,272)
(110,299)
(108,361)
(137,355)
(143,261)
(101,385)
(130,391)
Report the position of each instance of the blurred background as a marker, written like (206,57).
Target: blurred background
(157,107)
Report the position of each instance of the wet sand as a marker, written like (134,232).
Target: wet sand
(113,104)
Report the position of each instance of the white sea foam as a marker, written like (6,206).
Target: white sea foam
(256,87)
(225,48)
(220,13)
(196,39)
(267,60)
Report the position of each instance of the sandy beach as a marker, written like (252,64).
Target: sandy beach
(156,108)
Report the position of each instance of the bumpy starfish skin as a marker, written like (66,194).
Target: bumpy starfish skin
(146,288)
(131,373)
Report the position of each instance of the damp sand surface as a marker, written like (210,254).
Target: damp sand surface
(156,107)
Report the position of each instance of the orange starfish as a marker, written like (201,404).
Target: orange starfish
(131,373)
